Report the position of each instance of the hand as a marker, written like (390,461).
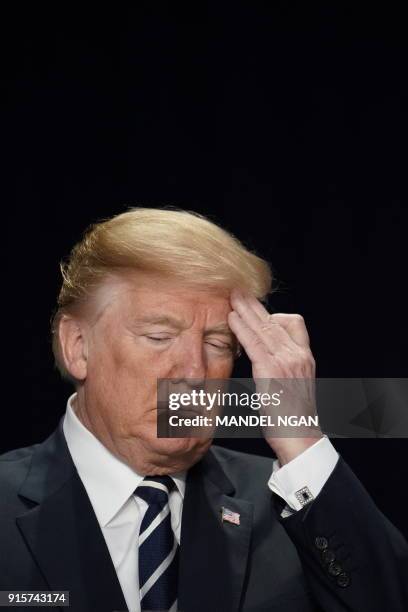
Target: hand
(278,347)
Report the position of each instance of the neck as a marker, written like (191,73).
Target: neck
(172,455)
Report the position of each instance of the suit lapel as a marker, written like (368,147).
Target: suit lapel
(65,540)
(213,554)
(62,532)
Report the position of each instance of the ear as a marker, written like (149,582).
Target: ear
(73,343)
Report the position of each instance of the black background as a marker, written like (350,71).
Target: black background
(286,122)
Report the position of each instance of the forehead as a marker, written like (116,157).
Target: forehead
(139,293)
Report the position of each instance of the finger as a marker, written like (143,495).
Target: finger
(241,305)
(249,340)
(295,325)
(257,307)
(273,335)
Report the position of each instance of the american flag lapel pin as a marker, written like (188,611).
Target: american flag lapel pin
(229,516)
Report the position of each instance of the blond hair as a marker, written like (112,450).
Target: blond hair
(177,244)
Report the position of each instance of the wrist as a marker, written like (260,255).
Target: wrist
(287,449)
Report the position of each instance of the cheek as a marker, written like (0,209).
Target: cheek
(121,355)
(221,369)
(129,371)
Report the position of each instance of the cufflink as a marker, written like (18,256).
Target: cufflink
(304,496)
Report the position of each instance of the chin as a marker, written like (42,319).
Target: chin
(179,447)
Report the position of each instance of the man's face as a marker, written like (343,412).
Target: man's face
(150,329)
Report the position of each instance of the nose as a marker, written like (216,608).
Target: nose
(192,362)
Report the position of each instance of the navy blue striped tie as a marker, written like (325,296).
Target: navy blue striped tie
(158,547)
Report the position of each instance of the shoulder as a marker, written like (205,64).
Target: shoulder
(17,454)
(14,466)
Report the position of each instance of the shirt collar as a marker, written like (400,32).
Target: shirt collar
(108,481)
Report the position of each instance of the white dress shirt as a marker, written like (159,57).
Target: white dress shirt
(310,469)
(110,484)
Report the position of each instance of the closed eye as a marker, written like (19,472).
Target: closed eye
(217,345)
(220,346)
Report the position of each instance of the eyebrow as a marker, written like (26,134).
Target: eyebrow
(221,328)
(161,320)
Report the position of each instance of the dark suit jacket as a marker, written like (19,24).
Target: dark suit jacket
(50,539)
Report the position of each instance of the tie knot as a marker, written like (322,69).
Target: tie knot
(155,489)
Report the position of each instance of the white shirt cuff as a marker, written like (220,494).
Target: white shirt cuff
(301,480)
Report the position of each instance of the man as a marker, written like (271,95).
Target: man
(123,519)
